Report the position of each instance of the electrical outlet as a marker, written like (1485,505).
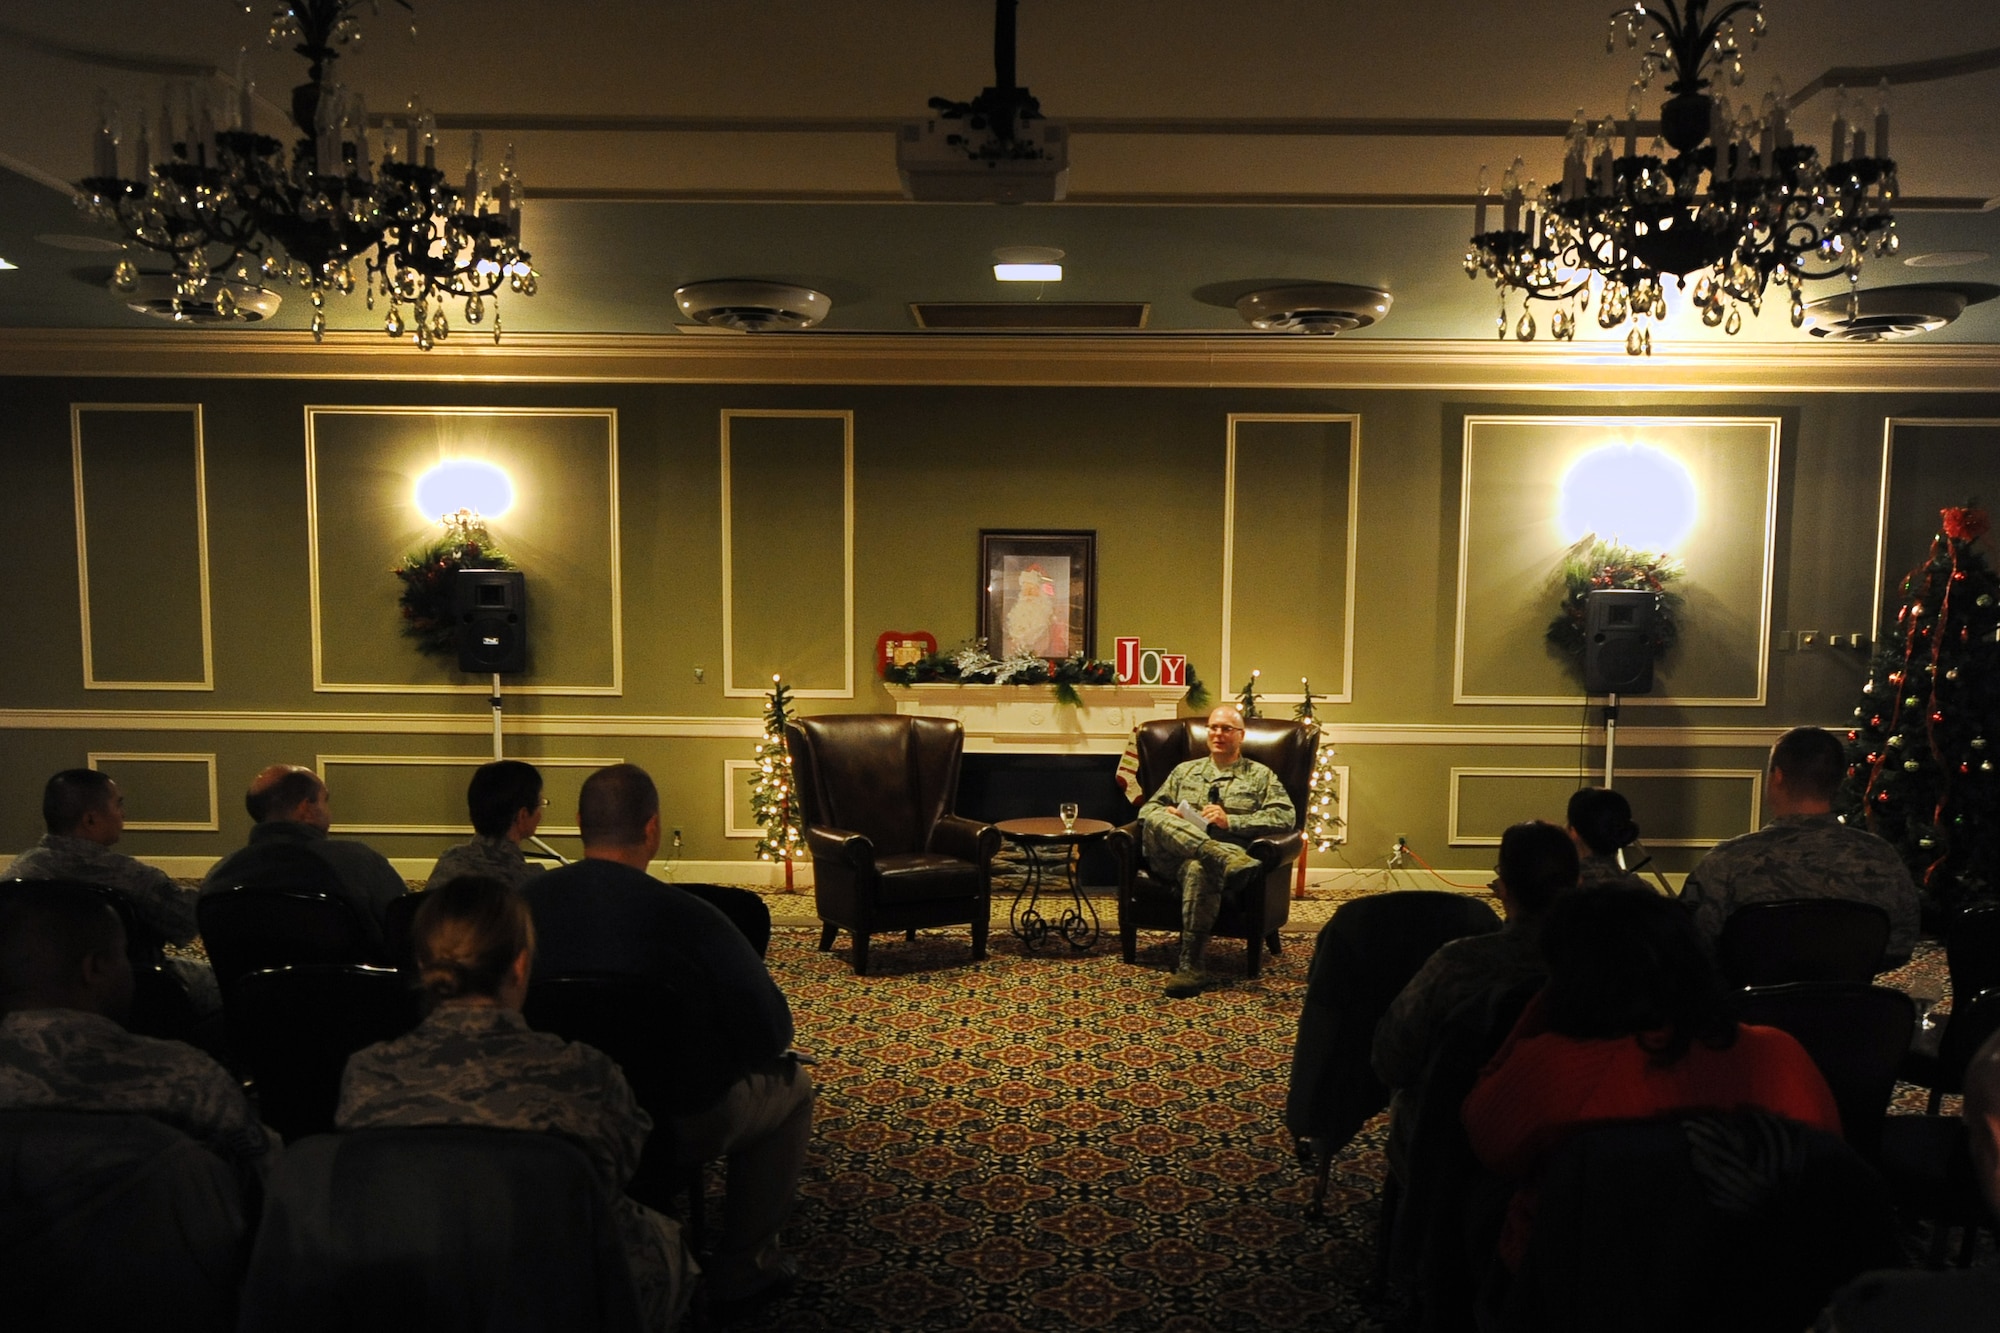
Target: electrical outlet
(677,842)
(1399,854)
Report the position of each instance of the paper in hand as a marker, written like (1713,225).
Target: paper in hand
(1192,815)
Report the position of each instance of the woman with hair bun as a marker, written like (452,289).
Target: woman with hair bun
(474,1061)
(1600,824)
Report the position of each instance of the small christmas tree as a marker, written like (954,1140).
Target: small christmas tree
(774,801)
(1246,702)
(1921,754)
(1322,827)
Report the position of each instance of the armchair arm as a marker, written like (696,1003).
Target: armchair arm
(840,846)
(1279,849)
(1125,845)
(967,839)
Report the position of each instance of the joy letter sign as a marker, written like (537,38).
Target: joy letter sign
(1148,666)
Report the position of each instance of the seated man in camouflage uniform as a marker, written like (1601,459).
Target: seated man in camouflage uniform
(85,815)
(65,984)
(1805,852)
(505,801)
(1239,800)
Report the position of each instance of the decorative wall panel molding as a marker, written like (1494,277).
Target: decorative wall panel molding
(1928,464)
(334,769)
(121,765)
(1660,797)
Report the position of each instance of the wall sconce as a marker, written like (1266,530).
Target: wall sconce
(469,486)
(1633,495)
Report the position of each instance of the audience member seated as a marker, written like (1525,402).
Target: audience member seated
(474,1061)
(1600,823)
(1537,863)
(65,987)
(1805,852)
(1634,1023)
(1238,800)
(606,914)
(85,815)
(505,800)
(292,809)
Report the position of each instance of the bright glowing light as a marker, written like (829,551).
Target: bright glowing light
(465,483)
(1631,494)
(1028,272)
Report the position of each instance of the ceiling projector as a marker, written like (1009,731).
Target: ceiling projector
(946,159)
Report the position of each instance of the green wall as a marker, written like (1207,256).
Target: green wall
(1144,468)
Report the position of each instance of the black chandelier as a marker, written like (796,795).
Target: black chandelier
(1739,203)
(218,197)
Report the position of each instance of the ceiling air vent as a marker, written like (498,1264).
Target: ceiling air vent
(1031,316)
(1325,308)
(750,306)
(216,302)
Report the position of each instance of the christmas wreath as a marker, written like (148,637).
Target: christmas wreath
(1593,564)
(428,576)
(971,664)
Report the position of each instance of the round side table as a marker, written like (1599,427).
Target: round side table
(1037,838)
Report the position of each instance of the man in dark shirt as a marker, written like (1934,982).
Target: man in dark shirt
(293,811)
(606,914)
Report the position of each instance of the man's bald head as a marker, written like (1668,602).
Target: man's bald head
(288,792)
(1982,1118)
(1225,734)
(62,946)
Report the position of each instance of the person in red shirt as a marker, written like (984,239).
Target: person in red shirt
(1634,1024)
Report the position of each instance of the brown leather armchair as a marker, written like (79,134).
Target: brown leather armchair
(876,793)
(1286,748)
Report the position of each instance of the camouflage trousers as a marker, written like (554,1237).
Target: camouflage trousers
(1202,866)
(662,1269)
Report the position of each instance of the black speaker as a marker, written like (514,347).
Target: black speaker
(490,608)
(1618,641)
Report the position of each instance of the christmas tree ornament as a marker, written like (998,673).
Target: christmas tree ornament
(1951,674)
(1911,765)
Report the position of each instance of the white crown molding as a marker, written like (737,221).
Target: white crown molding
(1243,361)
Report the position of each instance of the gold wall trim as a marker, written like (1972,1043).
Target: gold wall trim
(1755,777)
(1889,425)
(324,762)
(1353,420)
(730,689)
(642,726)
(1194,360)
(1773,424)
(323,686)
(90,680)
(213,824)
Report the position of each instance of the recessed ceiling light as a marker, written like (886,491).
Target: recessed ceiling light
(62,240)
(1027,263)
(1946,258)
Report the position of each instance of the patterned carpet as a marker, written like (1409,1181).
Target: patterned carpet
(1047,1143)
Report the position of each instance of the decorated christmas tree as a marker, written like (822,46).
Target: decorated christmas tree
(774,801)
(1323,826)
(1246,702)
(1921,754)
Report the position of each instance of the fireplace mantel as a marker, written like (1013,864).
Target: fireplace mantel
(1026,719)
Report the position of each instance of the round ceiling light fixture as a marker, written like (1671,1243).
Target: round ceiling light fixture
(1946,259)
(1325,308)
(1882,313)
(216,301)
(750,305)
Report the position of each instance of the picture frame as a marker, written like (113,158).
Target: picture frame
(1038,592)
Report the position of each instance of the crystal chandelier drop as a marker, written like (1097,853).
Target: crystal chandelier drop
(1737,207)
(219,194)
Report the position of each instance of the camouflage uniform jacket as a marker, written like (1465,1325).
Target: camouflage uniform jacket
(475,1064)
(492,858)
(1256,800)
(71,1060)
(1604,872)
(1805,856)
(157,902)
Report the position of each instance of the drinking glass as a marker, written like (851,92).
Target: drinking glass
(1068,812)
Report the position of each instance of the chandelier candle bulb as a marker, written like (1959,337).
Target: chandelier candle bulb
(1839,147)
(412,133)
(104,145)
(363,152)
(1882,119)
(1479,204)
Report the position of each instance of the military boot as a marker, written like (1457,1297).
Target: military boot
(1189,978)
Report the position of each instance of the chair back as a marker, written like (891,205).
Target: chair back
(887,777)
(294,1027)
(1367,952)
(116,1221)
(1973,1019)
(1807,939)
(1284,746)
(1727,1223)
(1972,949)
(1857,1034)
(437,1230)
(251,928)
(398,938)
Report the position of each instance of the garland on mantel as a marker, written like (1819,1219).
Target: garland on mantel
(971,664)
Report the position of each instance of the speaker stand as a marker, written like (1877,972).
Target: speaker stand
(1610,735)
(494,699)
